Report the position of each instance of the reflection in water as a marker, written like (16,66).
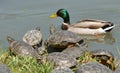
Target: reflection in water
(7,16)
(109,39)
(22,13)
(106,38)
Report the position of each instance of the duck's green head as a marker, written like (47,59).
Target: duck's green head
(63,14)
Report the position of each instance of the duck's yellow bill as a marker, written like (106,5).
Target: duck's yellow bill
(53,15)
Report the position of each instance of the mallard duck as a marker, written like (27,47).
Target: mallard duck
(87,31)
(83,26)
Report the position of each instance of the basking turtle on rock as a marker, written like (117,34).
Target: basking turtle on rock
(93,67)
(75,52)
(63,39)
(61,59)
(33,37)
(21,48)
(105,57)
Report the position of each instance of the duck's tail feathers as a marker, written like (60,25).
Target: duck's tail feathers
(109,27)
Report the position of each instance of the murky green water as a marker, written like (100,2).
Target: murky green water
(19,16)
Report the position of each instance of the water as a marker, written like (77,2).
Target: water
(19,16)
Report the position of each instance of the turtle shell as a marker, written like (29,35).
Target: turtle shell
(75,52)
(23,49)
(62,70)
(62,39)
(93,67)
(33,37)
(102,52)
(104,56)
(61,59)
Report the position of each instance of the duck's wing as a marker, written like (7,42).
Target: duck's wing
(91,23)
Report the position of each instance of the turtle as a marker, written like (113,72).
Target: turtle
(61,59)
(105,57)
(4,69)
(75,52)
(33,37)
(21,48)
(93,67)
(63,39)
(62,70)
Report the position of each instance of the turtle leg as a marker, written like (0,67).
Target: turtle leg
(70,45)
(42,60)
(37,45)
(81,45)
(110,64)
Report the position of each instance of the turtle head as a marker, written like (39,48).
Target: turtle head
(82,43)
(9,39)
(37,28)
